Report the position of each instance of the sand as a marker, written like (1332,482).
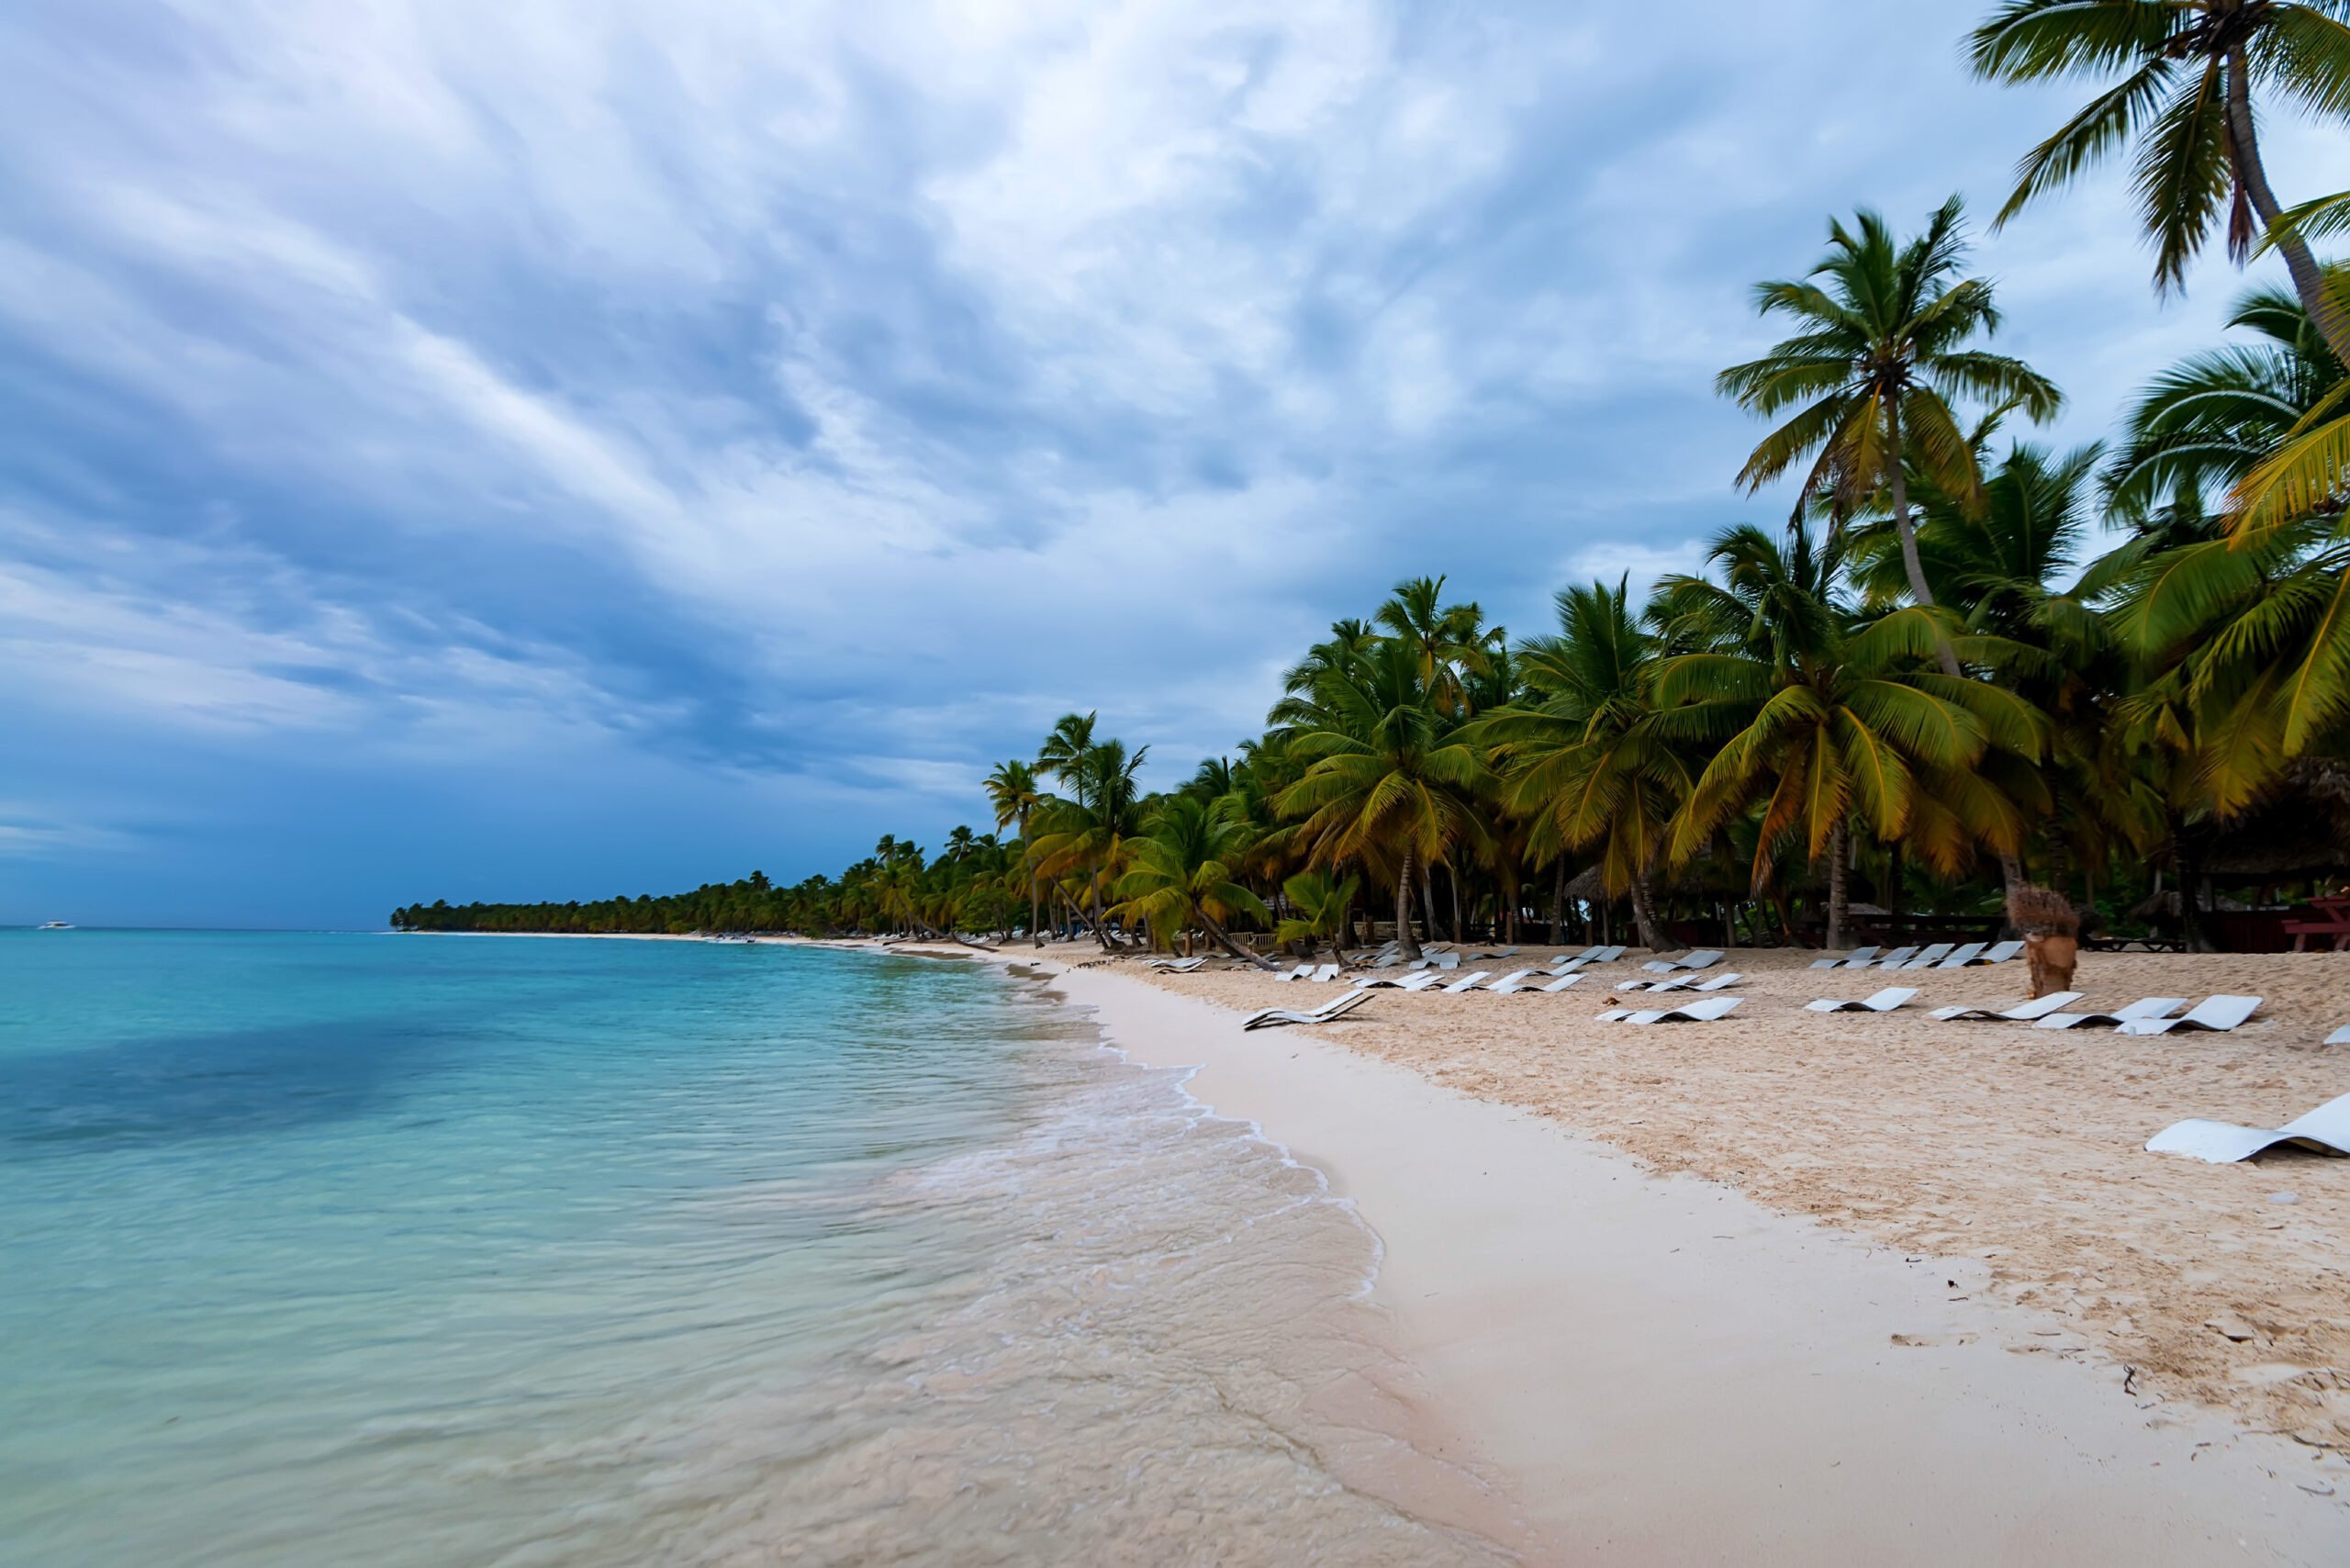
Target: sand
(1803,1288)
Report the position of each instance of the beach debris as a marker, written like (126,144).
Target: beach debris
(2284,1197)
(2228,1325)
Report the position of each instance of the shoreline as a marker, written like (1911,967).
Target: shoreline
(1654,1364)
(1671,1370)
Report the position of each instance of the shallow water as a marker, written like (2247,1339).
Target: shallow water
(504,1251)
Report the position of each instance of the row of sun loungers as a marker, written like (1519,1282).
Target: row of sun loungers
(1935,955)
(2325,1129)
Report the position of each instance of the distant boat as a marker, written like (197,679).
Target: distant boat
(56,926)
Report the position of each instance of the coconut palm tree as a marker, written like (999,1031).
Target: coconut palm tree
(1092,830)
(1580,753)
(1325,907)
(1882,356)
(2188,69)
(1383,779)
(1013,792)
(1825,716)
(1450,641)
(2206,423)
(1182,870)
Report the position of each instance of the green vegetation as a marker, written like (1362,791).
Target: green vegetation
(1931,686)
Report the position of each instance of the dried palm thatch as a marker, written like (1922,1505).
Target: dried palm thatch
(2042,912)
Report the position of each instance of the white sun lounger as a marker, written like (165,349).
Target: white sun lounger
(1420,982)
(1604,954)
(1997,953)
(1468,982)
(2021,1012)
(2144,1007)
(1176,966)
(1892,961)
(1703,1012)
(1960,957)
(1559,984)
(2223,1143)
(1298,973)
(1493,953)
(1344,1001)
(1857,957)
(1928,957)
(1445,960)
(1324,975)
(2340,1037)
(1514,981)
(1884,1001)
(2216,1013)
(1706,958)
(1682,982)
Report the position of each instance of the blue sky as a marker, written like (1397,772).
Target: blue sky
(557,449)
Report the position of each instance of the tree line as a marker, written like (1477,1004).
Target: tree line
(1963,663)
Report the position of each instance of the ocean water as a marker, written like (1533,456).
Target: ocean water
(444,1250)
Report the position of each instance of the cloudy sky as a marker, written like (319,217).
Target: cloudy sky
(559,450)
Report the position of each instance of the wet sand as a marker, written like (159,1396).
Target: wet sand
(1801,1288)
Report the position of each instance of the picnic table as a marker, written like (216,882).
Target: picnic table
(2334,923)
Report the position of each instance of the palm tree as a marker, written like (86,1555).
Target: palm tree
(2187,101)
(1880,360)
(1013,792)
(1183,870)
(1448,639)
(1092,829)
(1821,715)
(2213,418)
(1383,779)
(1580,751)
(1325,907)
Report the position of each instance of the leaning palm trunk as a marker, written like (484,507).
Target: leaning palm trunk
(1907,530)
(1224,938)
(2243,150)
(1084,919)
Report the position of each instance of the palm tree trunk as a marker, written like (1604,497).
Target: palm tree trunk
(2244,153)
(1428,900)
(1839,899)
(1558,905)
(1911,566)
(1452,880)
(1404,940)
(1224,939)
(1036,908)
(1644,912)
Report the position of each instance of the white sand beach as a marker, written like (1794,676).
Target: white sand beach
(1802,1289)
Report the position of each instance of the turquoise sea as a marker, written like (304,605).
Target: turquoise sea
(359,1248)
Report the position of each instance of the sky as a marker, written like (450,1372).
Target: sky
(553,451)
